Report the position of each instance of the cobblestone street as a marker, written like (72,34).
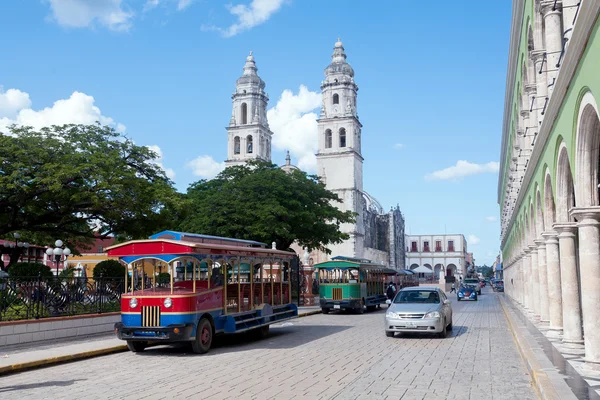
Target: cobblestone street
(335,356)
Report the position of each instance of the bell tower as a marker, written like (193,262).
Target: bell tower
(339,159)
(249,136)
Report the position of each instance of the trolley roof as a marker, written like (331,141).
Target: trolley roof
(170,245)
(344,264)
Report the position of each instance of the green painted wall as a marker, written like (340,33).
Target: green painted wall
(587,78)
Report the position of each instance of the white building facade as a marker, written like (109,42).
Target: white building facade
(249,136)
(437,256)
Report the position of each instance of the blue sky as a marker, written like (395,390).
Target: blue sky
(431,87)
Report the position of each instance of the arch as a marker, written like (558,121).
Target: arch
(236,145)
(336,98)
(244,111)
(565,193)
(539,215)
(414,266)
(328,139)
(533,222)
(437,269)
(342,137)
(549,207)
(249,144)
(588,152)
(451,270)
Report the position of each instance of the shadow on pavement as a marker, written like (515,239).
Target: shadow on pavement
(39,385)
(456,331)
(285,336)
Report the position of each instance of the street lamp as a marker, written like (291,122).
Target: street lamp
(60,254)
(13,249)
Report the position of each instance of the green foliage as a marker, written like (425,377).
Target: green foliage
(62,180)
(29,270)
(259,201)
(163,278)
(109,269)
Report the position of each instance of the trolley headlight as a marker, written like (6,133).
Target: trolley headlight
(168,302)
(133,302)
(433,314)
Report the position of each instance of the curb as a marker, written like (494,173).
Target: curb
(541,382)
(314,312)
(10,369)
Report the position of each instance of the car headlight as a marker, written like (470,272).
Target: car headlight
(133,302)
(461,294)
(168,302)
(391,315)
(433,314)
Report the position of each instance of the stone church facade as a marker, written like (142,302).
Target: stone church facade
(375,235)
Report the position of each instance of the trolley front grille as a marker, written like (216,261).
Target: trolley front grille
(151,316)
(337,294)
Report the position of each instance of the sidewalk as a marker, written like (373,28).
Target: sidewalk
(35,355)
(547,368)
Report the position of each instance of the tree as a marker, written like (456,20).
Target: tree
(26,270)
(109,269)
(69,181)
(259,201)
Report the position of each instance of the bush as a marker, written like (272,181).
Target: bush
(163,278)
(29,270)
(109,269)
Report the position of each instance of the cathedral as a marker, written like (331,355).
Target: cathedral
(375,235)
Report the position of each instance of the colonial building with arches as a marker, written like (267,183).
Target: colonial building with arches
(549,179)
(441,258)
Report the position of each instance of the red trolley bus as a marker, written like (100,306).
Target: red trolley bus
(215,285)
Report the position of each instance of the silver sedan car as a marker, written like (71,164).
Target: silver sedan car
(419,309)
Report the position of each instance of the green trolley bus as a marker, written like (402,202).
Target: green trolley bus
(351,284)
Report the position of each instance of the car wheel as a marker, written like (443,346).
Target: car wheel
(450,326)
(389,334)
(457,298)
(443,333)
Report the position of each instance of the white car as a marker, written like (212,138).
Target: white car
(419,309)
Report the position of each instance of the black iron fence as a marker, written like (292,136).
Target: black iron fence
(34,298)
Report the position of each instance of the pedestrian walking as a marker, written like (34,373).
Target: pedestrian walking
(453,289)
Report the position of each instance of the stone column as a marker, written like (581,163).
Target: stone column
(553,33)
(543,271)
(554,281)
(589,267)
(535,280)
(522,279)
(527,294)
(572,332)
(541,85)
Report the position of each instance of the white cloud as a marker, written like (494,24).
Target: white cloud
(77,109)
(205,167)
(399,146)
(182,4)
(85,13)
(12,101)
(491,219)
(249,16)
(461,169)
(472,240)
(150,4)
(294,125)
(159,161)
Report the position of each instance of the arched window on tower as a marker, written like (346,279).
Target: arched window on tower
(236,145)
(342,137)
(249,144)
(328,139)
(336,99)
(244,113)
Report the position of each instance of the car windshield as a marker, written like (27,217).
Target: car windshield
(471,281)
(500,283)
(417,296)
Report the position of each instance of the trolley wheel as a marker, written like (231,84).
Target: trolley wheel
(371,308)
(389,333)
(136,346)
(260,333)
(325,310)
(361,308)
(204,337)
